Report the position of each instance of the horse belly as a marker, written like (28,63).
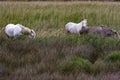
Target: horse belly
(74,30)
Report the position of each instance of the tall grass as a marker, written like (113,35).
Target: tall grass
(42,58)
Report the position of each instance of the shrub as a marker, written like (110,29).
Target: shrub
(100,44)
(113,57)
(76,64)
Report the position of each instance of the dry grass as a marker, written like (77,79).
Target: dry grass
(43,57)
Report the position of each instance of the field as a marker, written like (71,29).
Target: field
(55,55)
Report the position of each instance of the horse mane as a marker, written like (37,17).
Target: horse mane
(25,30)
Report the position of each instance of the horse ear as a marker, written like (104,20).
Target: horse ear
(114,31)
(117,34)
(32,31)
(102,26)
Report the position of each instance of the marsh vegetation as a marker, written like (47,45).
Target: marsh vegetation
(54,55)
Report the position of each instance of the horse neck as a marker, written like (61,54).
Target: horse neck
(26,31)
(80,23)
(22,27)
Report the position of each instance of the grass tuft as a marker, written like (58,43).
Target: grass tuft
(113,57)
(76,64)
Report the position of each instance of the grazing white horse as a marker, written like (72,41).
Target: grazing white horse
(74,27)
(17,30)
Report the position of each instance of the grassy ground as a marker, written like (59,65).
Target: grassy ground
(54,55)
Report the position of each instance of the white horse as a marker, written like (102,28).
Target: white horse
(17,30)
(74,27)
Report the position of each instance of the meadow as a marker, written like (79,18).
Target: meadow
(55,55)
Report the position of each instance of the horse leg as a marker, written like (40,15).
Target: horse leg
(7,36)
(67,32)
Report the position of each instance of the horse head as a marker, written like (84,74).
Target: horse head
(32,34)
(84,22)
(116,34)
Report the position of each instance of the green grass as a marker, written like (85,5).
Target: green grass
(113,57)
(76,64)
(25,59)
